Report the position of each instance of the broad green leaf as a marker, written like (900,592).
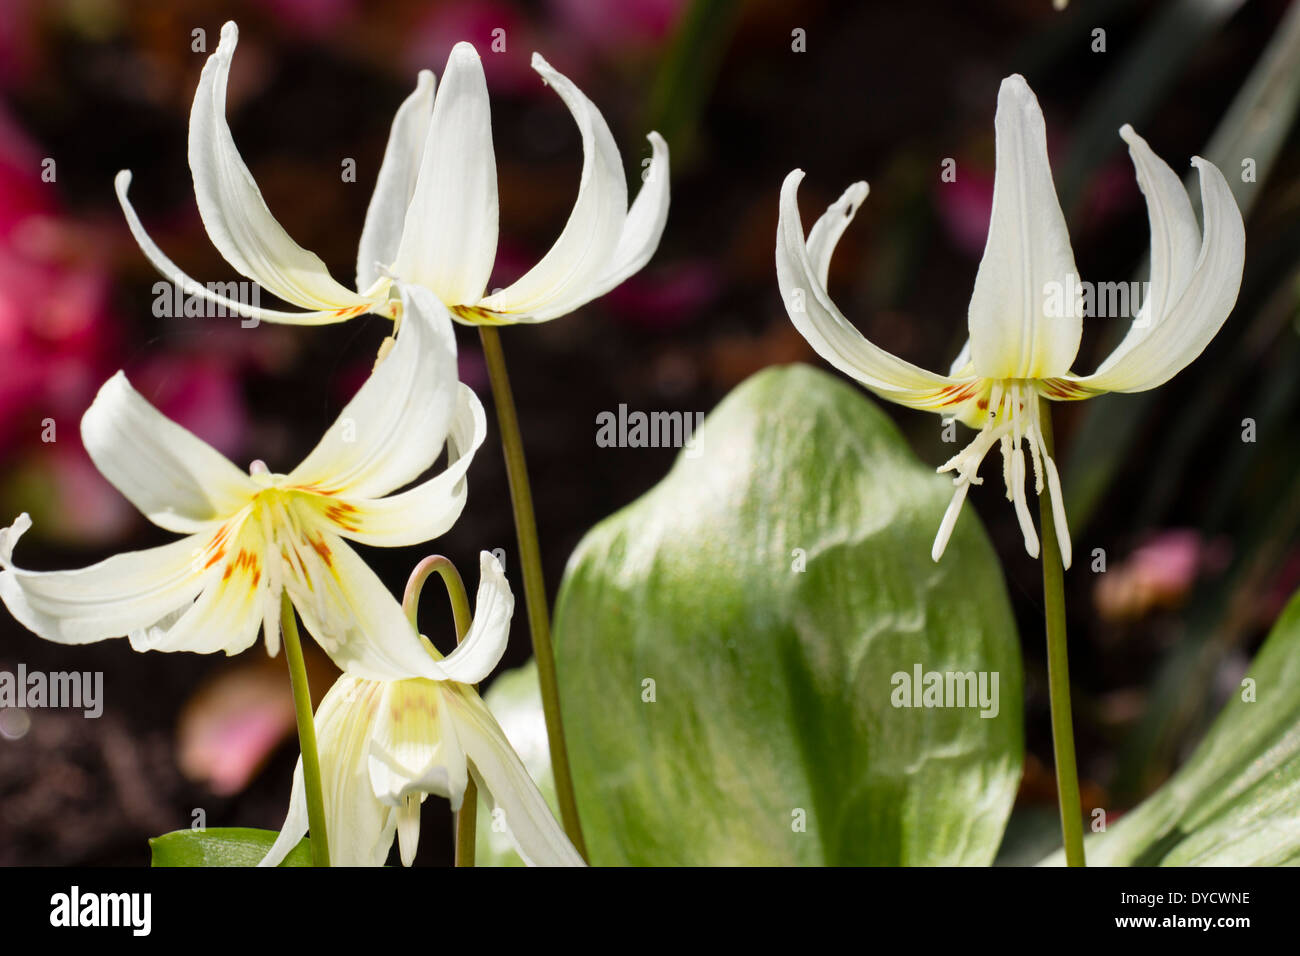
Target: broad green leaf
(1234,802)
(515,699)
(727,644)
(224,846)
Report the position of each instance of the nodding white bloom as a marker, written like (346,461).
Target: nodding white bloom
(250,537)
(432,219)
(1024,322)
(386,745)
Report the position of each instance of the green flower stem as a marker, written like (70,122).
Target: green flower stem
(467,818)
(530,560)
(1058,670)
(320,848)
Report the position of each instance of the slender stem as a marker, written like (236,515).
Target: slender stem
(320,848)
(1058,670)
(467,818)
(530,560)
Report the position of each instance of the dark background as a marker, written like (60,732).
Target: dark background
(1196,525)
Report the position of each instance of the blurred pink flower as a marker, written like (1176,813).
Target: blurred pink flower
(664,299)
(1158,574)
(610,27)
(479,22)
(964,207)
(314,17)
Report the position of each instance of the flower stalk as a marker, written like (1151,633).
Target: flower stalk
(306,732)
(530,560)
(1058,672)
(467,818)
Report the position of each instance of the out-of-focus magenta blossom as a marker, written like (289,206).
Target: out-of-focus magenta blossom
(614,26)
(18,51)
(1158,574)
(313,17)
(963,207)
(666,299)
(487,24)
(55,326)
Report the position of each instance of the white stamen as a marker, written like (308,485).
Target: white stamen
(949,520)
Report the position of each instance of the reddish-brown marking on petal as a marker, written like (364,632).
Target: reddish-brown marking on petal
(476,315)
(320,547)
(350,311)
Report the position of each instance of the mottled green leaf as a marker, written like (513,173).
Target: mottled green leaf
(727,644)
(226,846)
(1234,802)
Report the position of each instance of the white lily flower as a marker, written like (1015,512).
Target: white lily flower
(250,537)
(432,219)
(1024,331)
(386,745)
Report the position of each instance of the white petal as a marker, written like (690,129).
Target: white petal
(125,593)
(211,292)
(178,481)
(824,326)
(229,610)
(395,426)
(645,221)
(233,210)
(396,184)
(352,615)
(449,239)
(505,782)
(480,652)
(568,275)
(426,510)
(414,746)
(825,234)
(1191,315)
(360,828)
(1026,256)
(295,822)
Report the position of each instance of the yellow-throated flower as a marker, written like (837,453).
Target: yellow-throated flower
(249,537)
(432,219)
(386,744)
(1025,318)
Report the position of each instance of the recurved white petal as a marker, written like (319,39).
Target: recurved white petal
(126,593)
(426,510)
(394,428)
(386,215)
(479,653)
(825,327)
(568,275)
(825,234)
(505,782)
(244,306)
(645,221)
(1027,256)
(351,614)
(178,481)
(449,238)
(1188,317)
(233,210)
